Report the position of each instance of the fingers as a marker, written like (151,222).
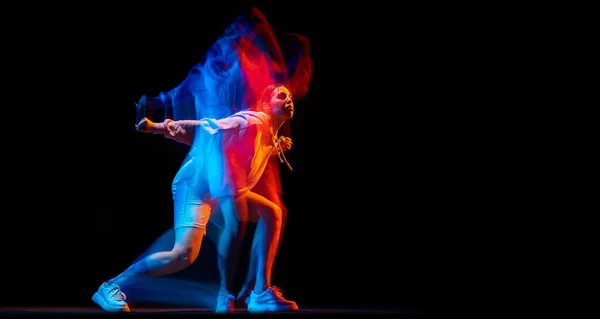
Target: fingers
(144,125)
(144,120)
(285,143)
(284,139)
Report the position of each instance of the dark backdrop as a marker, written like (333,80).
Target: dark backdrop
(87,194)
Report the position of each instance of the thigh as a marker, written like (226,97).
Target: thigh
(191,206)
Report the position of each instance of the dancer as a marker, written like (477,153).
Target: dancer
(231,77)
(264,296)
(257,70)
(220,170)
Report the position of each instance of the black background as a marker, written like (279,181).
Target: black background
(86,194)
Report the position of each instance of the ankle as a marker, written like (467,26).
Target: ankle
(260,289)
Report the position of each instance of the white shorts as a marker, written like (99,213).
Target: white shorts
(192,205)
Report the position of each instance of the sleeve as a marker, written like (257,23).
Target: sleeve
(230,123)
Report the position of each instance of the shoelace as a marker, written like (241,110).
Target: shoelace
(277,292)
(117,294)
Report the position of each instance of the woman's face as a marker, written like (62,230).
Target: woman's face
(281,102)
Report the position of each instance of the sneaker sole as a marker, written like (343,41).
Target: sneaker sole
(272,308)
(99,300)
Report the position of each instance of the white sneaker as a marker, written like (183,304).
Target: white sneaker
(225,303)
(271,300)
(110,298)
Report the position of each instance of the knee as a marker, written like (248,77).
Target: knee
(283,213)
(273,216)
(184,256)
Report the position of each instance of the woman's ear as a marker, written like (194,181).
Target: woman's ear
(265,106)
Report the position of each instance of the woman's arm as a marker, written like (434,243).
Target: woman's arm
(183,131)
(180,131)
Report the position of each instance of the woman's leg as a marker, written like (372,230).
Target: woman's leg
(266,239)
(265,297)
(235,219)
(187,246)
(191,216)
(250,280)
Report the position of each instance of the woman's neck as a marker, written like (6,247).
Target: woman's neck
(276,124)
